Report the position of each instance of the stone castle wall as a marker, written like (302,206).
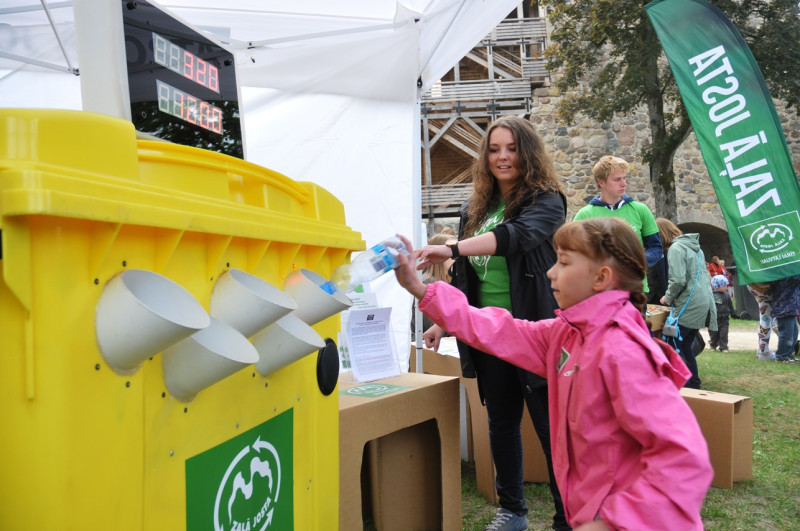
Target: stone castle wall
(576,148)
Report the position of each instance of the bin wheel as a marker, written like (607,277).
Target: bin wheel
(744,316)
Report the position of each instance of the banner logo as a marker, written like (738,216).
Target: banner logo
(771,237)
(771,242)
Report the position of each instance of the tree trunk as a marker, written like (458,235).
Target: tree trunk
(662,175)
(662,178)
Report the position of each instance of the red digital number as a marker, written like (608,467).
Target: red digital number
(200,76)
(216,120)
(191,110)
(188,65)
(204,112)
(213,78)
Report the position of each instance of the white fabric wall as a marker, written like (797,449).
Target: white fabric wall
(356,149)
(329,91)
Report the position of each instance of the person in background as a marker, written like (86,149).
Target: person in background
(610,174)
(628,451)
(658,274)
(719,338)
(785,307)
(725,271)
(502,255)
(440,271)
(689,294)
(762,293)
(714,267)
(434,272)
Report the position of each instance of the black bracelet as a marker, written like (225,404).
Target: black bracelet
(453,245)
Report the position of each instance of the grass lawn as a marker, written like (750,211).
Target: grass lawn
(770,501)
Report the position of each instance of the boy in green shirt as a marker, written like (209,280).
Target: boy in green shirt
(610,175)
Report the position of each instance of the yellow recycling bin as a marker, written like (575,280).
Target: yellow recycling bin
(132,398)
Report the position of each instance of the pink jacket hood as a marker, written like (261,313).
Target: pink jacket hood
(586,316)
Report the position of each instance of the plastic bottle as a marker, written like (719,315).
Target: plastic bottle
(367,266)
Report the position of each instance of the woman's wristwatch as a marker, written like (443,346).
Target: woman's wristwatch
(453,245)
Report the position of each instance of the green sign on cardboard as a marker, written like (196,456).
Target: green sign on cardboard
(372,390)
(245,483)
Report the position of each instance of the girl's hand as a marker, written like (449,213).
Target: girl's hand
(432,254)
(432,336)
(406,273)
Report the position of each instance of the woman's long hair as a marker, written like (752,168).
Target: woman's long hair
(537,174)
(667,231)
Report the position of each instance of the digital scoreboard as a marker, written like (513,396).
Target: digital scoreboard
(182,85)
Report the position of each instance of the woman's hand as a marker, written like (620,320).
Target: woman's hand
(407,274)
(481,245)
(432,254)
(432,336)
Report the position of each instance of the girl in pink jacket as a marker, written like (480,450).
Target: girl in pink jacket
(627,450)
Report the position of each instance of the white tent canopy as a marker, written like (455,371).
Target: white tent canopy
(330,90)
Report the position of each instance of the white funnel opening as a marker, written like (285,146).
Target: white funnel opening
(313,303)
(205,358)
(248,303)
(139,314)
(284,342)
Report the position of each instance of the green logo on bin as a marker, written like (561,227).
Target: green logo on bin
(245,483)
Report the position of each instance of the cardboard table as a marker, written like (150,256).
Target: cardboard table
(535,465)
(409,426)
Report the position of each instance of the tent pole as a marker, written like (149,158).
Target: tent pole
(323,34)
(441,37)
(426,151)
(55,32)
(43,64)
(417,217)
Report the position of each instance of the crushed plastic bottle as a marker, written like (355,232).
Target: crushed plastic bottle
(366,266)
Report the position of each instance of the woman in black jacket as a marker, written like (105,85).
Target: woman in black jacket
(502,254)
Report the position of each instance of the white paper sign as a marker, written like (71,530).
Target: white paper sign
(370,345)
(360,301)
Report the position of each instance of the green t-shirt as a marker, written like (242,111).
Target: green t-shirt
(492,270)
(637,215)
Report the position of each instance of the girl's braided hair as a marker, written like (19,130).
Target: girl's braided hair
(609,239)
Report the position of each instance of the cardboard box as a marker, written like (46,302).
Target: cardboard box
(656,316)
(534,462)
(727,424)
(409,426)
(447,365)
(413,455)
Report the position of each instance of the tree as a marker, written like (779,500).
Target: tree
(610,62)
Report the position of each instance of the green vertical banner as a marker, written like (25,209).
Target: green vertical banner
(740,136)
